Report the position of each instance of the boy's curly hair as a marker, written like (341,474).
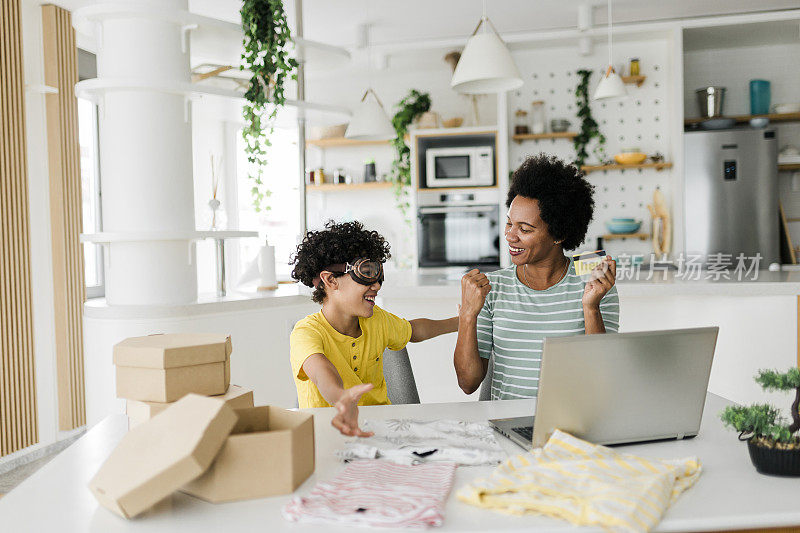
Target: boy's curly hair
(566,202)
(337,243)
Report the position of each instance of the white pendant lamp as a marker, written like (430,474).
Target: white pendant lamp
(370,122)
(611,85)
(486,65)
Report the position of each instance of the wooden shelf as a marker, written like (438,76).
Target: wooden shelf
(595,168)
(634,80)
(789,166)
(613,236)
(342,141)
(348,186)
(539,136)
(740,119)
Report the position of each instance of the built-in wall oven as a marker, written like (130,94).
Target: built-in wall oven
(459,228)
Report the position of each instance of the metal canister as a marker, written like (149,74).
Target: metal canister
(711,101)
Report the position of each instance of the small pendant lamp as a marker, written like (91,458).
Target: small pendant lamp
(611,85)
(486,65)
(370,122)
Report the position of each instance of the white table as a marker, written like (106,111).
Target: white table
(729,494)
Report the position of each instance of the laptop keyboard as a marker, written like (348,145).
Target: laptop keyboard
(525,432)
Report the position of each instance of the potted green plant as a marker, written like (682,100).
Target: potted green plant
(772,441)
(589,130)
(410,107)
(267,41)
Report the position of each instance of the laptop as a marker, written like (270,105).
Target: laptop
(619,388)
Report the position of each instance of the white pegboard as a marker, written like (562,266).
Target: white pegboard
(641,120)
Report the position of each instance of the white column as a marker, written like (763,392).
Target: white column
(146,158)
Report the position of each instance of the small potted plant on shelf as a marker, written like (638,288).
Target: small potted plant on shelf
(774,444)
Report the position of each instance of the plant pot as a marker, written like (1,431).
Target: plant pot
(774,461)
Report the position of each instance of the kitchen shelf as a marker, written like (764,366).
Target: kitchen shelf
(595,168)
(773,117)
(634,80)
(613,236)
(788,166)
(343,141)
(348,186)
(539,136)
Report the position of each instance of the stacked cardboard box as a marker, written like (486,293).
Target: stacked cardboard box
(204,447)
(164,368)
(156,370)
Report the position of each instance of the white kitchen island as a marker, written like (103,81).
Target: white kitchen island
(730,494)
(757,319)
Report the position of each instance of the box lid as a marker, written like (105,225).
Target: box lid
(158,456)
(169,350)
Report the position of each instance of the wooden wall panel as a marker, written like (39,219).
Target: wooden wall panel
(18,420)
(61,72)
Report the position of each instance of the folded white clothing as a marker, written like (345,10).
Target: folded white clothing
(407,441)
(377,494)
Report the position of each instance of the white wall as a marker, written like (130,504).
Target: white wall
(642,120)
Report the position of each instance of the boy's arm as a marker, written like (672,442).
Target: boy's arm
(424,328)
(327,379)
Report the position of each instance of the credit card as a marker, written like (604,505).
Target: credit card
(586,261)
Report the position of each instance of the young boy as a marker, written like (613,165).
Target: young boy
(336,354)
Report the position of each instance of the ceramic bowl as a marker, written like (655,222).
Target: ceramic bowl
(630,158)
(628,226)
(759,122)
(786,108)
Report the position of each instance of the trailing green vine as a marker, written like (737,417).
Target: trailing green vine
(589,128)
(266,41)
(412,106)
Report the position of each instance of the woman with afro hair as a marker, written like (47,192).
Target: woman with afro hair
(507,314)
(336,353)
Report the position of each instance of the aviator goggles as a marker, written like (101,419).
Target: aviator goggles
(363,271)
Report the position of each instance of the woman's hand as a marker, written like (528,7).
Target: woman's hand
(346,419)
(603,278)
(474,288)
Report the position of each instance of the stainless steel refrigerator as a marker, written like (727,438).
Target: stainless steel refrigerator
(731,193)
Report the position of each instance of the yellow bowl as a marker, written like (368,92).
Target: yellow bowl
(630,158)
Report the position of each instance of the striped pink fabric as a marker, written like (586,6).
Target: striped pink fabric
(378,494)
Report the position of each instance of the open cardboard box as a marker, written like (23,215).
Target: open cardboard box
(166,367)
(269,452)
(200,444)
(237,397)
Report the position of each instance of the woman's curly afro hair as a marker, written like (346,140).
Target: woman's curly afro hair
(566,202)
(337,243)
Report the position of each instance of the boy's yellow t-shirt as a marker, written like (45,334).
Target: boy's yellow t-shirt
(358,360)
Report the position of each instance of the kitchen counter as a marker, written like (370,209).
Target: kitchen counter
(446,282)
(435,283)
(729,494)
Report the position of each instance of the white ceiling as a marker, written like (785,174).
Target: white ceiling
(336,21)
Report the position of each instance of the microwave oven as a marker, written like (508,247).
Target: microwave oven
(471,166)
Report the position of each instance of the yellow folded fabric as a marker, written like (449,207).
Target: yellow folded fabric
(585,484)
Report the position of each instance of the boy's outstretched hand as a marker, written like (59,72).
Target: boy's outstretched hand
(346,419)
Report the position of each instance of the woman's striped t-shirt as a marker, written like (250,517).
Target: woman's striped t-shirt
(515,319)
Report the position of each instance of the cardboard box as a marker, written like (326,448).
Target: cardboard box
(161,455)
(269,452)
(237,397)
(164,368)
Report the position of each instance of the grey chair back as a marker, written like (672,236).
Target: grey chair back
(486,385)
(397,371)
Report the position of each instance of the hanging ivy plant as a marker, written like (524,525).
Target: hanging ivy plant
(266,41)
(412,106)
(590,130)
